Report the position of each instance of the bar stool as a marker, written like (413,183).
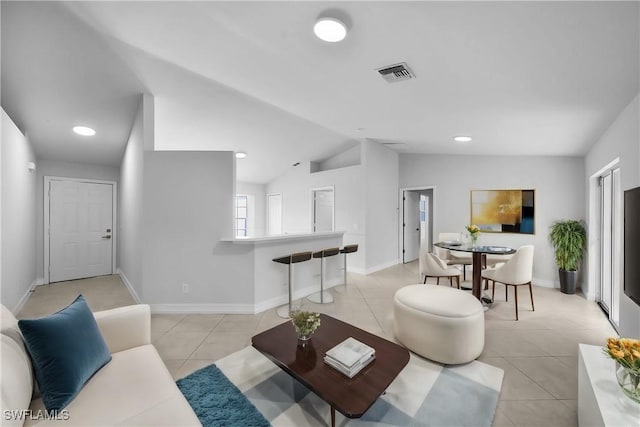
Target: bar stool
(348,249)
(285,311)
(323,297)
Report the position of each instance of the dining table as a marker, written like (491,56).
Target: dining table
(478,253)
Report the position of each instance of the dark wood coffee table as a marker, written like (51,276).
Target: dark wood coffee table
(351,396)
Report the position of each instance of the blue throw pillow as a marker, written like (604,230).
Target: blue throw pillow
(66,349)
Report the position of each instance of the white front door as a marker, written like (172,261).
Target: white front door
(80,230)
(411,226)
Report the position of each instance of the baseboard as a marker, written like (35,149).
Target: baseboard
(203,308)
(24,298)
(129,286)
(299,294)
(381,266)
(241,308)
(545,283)
(360,271)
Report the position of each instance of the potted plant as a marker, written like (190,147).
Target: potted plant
(569,239)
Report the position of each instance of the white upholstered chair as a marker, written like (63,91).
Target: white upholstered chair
(453,257)
(515,272)
(432,266)
(493,261)
(445,254)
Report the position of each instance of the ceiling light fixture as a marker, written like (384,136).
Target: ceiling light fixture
(330,29)
(241,155)
(84,130)
(462,138)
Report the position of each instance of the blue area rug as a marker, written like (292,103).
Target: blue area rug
(424,394)
(217,402)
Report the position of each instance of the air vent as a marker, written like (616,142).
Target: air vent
(396,73)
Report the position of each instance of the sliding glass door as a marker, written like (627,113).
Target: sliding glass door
(611,243)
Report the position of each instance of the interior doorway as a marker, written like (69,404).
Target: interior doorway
(417,222)
(322,209)
(79,225)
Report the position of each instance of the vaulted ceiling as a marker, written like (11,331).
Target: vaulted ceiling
(525,78)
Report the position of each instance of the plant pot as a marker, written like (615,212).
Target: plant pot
(568,280)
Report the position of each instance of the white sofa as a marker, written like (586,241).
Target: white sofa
(133,389)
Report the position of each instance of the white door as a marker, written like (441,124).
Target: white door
(322,209)
(274,214)
(411,226)
(80,230)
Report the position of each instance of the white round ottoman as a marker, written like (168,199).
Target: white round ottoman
(438,322)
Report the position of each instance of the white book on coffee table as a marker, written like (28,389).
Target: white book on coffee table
(349,372)
(350,353)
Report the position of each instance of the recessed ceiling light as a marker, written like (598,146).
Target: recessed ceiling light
(462,138)
(330,29)
(84,131)
(241,155)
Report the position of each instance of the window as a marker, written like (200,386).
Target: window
(241,215)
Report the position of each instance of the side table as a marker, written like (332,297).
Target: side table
(601,402)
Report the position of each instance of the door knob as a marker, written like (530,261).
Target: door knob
(106,237)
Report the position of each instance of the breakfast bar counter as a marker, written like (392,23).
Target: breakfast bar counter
(269,279)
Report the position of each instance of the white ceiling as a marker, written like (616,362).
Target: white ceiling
(539,78)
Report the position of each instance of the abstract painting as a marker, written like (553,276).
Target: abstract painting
(503,211)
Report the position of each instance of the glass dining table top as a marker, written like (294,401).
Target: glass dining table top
(468,247)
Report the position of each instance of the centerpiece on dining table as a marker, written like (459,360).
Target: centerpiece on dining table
(626,353)
(474,231)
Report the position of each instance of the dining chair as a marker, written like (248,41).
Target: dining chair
(516,271)
(432,266)
(442,253)
(453,257)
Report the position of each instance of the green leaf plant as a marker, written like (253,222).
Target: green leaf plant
(569,240)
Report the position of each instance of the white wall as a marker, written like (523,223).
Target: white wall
(130,206)
(295,186)
(18,220)
(558,182)
(366,204)
(188,204)
(349,204)
(257,212)
(382,213)
(621,140)
(67,170)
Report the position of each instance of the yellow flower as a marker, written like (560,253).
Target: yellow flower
(626,343)
(625,351)
(617,354)
(473,229)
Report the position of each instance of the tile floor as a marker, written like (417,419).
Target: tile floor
(539,353)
